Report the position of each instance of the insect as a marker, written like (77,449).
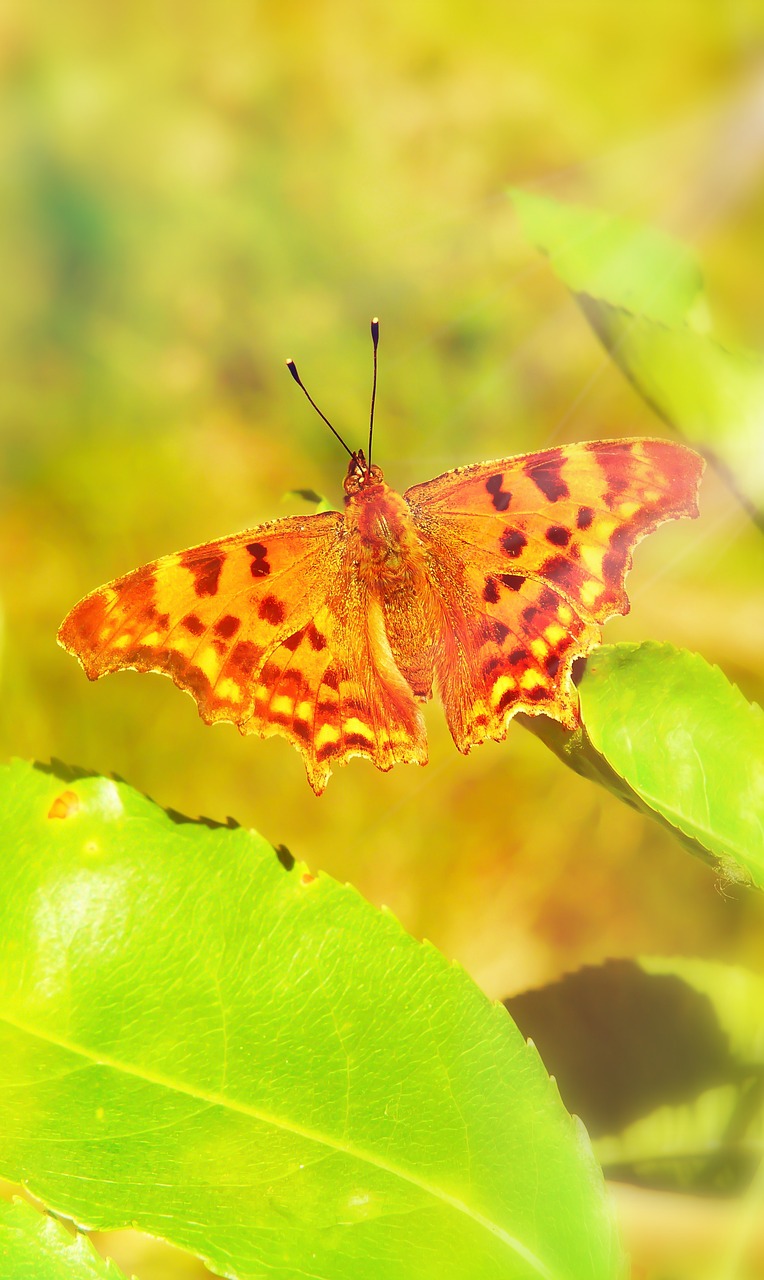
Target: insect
(332,629)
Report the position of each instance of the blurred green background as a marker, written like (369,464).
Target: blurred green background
(193,192)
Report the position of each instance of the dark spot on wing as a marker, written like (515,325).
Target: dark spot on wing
(556,569)
(558,535)
(317,640)
(243,657)
(193,624)
(490,591)
(227,626)
(271,610)
(206,574)
(259,568)
(584,517)
(294,641)
(512,542)
(547,476)
(507,698)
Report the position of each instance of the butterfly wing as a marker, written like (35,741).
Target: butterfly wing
(269,629)
(529,556)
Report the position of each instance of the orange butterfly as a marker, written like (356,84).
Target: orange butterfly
(330,629)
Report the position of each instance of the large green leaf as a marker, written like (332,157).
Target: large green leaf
(642,293)
(34,1246)
(200,1038)
(670,735)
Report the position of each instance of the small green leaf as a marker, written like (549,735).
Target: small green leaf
(634,267)
(209,1043)
(316,500)
(34,1246)
(643,295)
(687,744)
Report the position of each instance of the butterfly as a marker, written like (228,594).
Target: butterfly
(331,629)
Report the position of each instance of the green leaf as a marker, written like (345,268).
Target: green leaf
(34,1246)
(638,268)
(199,1038)
(686,742)
(642,293)
(677,1101)
(669,735)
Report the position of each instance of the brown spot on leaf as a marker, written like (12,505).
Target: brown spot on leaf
(65,805)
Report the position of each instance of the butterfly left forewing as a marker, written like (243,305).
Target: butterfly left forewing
(529,555)
(268,629)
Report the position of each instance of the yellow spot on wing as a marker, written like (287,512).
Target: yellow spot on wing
(326,734)
(531,679)
(282,704)
(590,592)
(208,661)
(592,558)
(354,725)
(500,688)
(538,648)
(228,690)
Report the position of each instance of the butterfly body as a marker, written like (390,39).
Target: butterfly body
(332,629)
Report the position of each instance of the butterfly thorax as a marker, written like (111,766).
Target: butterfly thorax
(384,546)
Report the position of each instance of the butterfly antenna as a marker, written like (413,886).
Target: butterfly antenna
(292,367)
(375,341)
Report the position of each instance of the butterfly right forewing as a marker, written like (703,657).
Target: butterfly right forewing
(529,556)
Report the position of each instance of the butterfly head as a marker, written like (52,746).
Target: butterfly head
(360,475)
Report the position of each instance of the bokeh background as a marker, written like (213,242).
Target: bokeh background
(193,192)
